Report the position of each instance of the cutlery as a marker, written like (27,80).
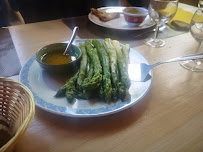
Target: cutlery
(75,30)
(140,71)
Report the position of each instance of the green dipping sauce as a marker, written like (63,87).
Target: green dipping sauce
(56,58)
(132,11)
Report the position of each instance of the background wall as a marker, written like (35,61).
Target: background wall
(13,12)
(190,2)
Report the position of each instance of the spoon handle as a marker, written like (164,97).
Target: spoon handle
(75,30)
(182,58)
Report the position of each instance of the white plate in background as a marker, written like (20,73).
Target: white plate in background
(119,23)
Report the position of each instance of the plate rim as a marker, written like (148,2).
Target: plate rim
(128,29)
(126,104)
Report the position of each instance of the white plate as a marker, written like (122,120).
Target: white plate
(119,23)
(44,87)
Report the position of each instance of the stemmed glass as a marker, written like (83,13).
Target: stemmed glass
(196,30)
(161,11)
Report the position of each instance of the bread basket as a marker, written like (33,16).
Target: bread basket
(17,108)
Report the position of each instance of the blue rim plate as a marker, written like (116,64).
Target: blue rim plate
(44,87)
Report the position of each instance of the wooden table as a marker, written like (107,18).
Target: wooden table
(167,119)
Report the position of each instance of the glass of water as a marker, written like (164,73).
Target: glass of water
(196,30)
(161,11)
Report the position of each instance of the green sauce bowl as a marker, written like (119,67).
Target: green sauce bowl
(67,68)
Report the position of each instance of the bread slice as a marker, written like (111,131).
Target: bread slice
(104,16)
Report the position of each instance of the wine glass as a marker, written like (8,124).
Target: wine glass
(196,30)
(161,11)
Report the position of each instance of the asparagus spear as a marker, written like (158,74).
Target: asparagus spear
(68,89)
(71,88)
(106,81)
(81,93)
(61,92)
(95,82)
(121,64)
(125,51)
(113,65)
(83,66)
(121,87)
(90,72)
(85,94)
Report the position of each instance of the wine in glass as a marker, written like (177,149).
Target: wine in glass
(161,11)
(196,30)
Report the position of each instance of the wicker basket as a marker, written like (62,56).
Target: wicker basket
(17,108)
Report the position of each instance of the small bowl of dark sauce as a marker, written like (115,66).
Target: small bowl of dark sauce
(51,58)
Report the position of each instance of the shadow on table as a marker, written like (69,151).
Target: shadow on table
(88,30)
(9,61)
(101,126)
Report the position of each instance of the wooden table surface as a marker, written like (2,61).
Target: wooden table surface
(167,119)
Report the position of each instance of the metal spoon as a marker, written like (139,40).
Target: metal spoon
(75,30)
